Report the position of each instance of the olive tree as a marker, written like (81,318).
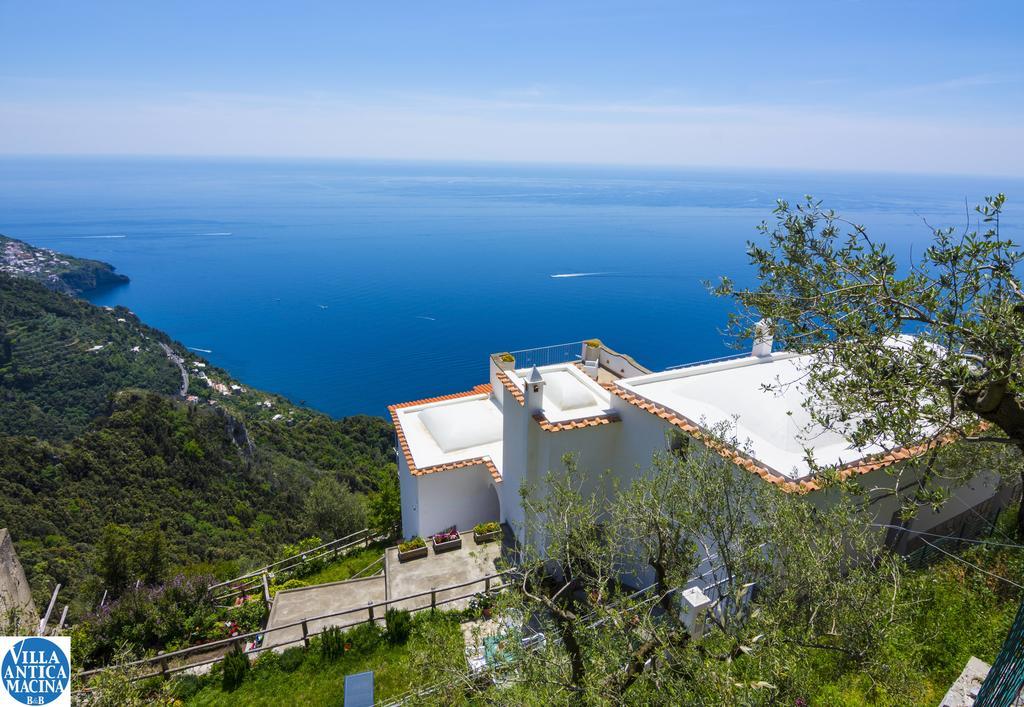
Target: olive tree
(333,509)
(603,569)
(904,354)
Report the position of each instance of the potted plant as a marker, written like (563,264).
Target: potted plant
(593,350)
(412,550)
(447,540)
(507,361)
(486,532)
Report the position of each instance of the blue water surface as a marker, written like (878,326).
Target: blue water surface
(354,285)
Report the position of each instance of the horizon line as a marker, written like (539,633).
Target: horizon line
(494,163)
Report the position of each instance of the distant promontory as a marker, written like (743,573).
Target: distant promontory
(57,271)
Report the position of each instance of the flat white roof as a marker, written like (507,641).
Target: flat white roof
(569,393)
(453,430)
(775,424)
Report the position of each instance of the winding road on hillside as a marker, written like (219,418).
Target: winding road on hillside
(180,363)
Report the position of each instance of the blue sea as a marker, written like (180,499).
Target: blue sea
(352,285)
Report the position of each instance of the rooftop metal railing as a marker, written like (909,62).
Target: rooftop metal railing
(548,355)
(720,359)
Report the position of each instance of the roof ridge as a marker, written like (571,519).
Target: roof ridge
(511,387)
(576,424)
(864,465)
(481,389)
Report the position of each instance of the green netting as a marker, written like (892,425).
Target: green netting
(1006,678)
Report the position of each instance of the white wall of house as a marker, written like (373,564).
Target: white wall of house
(460,497)
(410,498)
(625,448)
(515,449)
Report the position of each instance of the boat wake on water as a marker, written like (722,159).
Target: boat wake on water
(580,274)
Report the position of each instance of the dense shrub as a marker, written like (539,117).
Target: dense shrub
(249,616)
(291,659)
(236,667)
(364,638)
(164,617)
(332,643)
(293,583)
(333,509)
(185,686)
(267,661)
(399,624)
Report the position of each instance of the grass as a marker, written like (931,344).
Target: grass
(950,613)
(434,646)
(343,568)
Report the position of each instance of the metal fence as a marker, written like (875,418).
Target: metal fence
(251,581)
(549,355)
(160,665)
(720,359)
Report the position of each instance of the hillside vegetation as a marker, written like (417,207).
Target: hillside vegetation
(95,444)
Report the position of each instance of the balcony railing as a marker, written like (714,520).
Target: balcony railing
(548,355)
(720,359)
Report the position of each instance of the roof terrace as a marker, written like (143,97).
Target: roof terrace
(774,422)
(450,432)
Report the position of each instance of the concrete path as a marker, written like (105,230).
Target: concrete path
(293,605)
(400,579)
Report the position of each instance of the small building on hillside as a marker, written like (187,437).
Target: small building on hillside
(463,457)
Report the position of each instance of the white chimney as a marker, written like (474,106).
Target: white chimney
(762,339)
(534,392)
(693,609)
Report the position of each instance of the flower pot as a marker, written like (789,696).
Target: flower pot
(447,545)
(412,554)
(486,537)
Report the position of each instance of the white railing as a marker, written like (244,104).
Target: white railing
(720,359)
(549,355)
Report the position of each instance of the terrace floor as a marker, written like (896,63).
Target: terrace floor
(469,563)
(294,605)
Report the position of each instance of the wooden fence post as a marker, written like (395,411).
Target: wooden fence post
(487,584)
(163,666)
(369,606)
(305,634)
(433,598)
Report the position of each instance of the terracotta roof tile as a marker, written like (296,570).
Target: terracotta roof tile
(861,466)
(477,390)
(447,466)
(592,421)
(511,387)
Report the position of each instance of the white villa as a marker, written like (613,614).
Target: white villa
(463,457)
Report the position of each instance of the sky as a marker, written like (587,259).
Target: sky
(930,87)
